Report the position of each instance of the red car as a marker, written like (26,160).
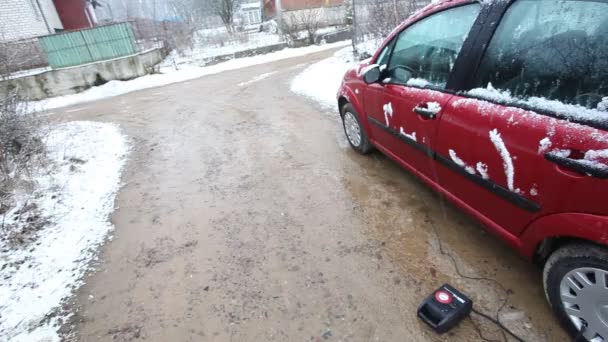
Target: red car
(502,106)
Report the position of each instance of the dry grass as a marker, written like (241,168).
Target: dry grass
(22,154)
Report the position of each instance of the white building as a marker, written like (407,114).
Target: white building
(21,19)
(250,13)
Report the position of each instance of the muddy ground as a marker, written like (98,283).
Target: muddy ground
(245,216)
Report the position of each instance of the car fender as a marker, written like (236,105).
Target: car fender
(347,92)
(569,225)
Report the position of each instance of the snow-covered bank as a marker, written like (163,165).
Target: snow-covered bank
(321,80)
(77,199)
(218,42)
(170,75)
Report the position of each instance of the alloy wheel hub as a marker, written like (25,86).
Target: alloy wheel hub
(584,295)
(353,131)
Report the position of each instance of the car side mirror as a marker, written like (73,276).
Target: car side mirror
(371,74)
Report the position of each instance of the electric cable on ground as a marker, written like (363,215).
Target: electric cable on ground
(496,320)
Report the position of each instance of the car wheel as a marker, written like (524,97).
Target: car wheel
(354,131)
(576,284)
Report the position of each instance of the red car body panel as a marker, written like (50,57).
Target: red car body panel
(570,225)
(540,200)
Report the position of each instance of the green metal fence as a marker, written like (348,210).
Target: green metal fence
(89,45)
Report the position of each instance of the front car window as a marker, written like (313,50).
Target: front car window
(385,54)
(428,49)
(555,50)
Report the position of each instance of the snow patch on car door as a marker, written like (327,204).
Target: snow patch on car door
(460,162)
(388,111)
(544,145)
(434,106)
(507,161)
(482,168)
(411,136)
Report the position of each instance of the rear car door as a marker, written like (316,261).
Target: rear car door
(404,109)
(528,138)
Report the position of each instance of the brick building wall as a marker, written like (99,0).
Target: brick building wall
(21,19)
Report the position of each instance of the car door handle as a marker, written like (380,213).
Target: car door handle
(425,112)
(578,165)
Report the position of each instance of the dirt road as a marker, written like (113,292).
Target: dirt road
(245,217)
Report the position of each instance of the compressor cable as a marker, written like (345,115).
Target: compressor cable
(496,320)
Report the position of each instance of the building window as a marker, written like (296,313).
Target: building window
(251,17)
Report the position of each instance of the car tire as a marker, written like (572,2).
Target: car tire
(355,134)
(573,283)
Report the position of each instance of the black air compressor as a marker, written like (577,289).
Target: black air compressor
(443,309)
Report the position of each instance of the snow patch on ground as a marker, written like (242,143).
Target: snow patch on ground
(506,157)
(77,198)
(29,72)
(210,43)
(321,80)
(257,79)
(171,75)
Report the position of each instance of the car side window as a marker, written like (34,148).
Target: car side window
(426,51)
(547,49)
(385,54)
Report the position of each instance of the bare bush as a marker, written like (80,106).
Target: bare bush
(173,35)
(384,16)
(24,54)
(20,142)
(22,151)
(305,21)
(225,9)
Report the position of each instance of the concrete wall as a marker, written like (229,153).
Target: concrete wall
(76,79)
(21,19)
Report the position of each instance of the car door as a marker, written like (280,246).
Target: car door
(405,107)
(528,138)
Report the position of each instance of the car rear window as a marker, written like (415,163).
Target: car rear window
(548,53)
